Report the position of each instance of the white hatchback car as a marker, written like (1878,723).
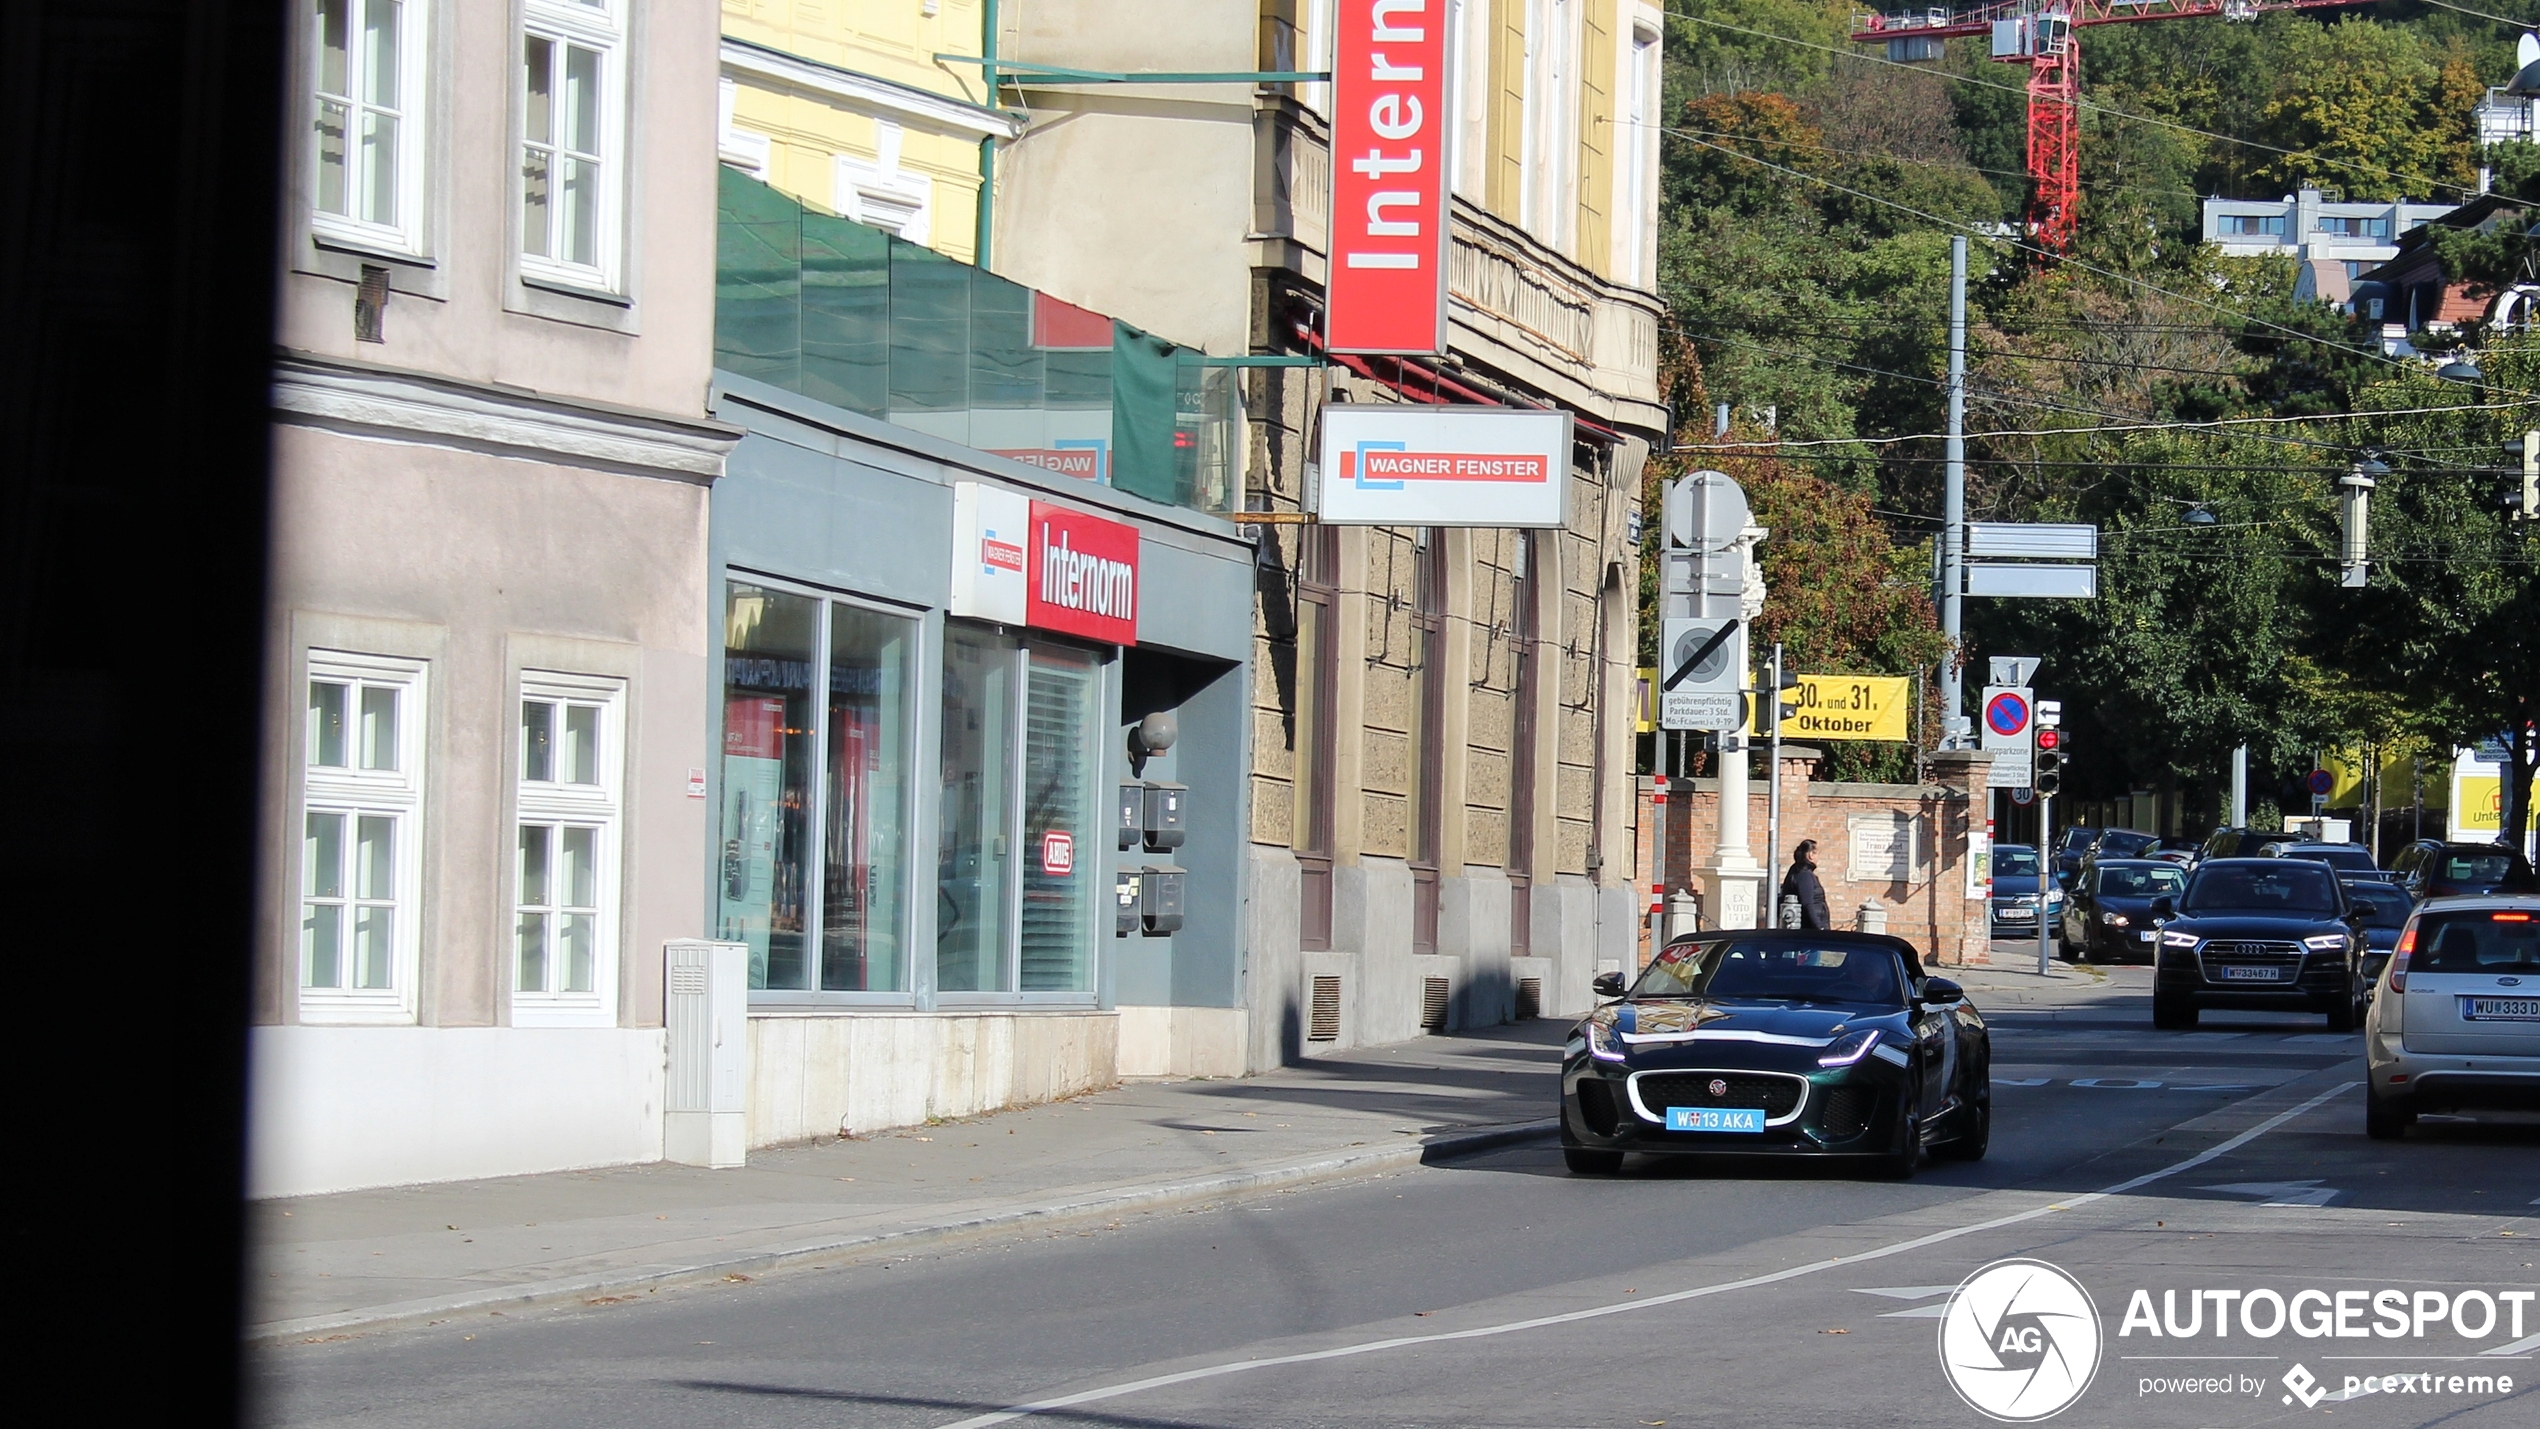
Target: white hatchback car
(2455,1020)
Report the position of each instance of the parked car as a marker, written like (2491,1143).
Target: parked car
(2432,868)
(2014,903)
(2243,843)
(1778,1042)
(2110,916)
(2352,861)
(2273,933)
(2070,845)
(2386,908)
(2455,1023)
(2123,843)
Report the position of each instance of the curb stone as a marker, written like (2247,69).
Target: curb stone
(411,1314)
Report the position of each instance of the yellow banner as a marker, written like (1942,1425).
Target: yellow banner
(2482,806)
(1846,707)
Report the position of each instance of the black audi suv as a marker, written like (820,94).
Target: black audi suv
(2272,933)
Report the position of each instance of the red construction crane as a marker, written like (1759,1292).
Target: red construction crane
(2040,35)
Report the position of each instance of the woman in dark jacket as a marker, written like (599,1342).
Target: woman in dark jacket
(1801,883)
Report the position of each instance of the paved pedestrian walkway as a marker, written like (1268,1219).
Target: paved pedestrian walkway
(325,1265)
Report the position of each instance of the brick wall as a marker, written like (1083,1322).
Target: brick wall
(1928,906)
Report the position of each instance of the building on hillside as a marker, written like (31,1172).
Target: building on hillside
(846,108)
(1441,819)
(488,663)
(2333,242)
(2411,295)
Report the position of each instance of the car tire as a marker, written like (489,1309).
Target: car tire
(1586,1161)
(1900,1165)
(2386,1118)
(2173,1014)
(2346,1016)
(1970,1144)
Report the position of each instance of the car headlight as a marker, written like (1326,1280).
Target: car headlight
(2180,940)
(2113,920)
(1850,1048)
(2325,942)
(1604,1043)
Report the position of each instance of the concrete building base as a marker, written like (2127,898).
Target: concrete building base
(820,1075)
(344,1108)
(1183,1041)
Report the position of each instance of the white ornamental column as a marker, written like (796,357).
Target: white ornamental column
(1733,883)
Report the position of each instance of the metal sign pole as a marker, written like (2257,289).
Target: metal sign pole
(1771,706)
(2045,879)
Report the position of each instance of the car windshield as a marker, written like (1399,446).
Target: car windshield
(2477,867)
(2076,839)
(2241,888)
(2015,863)
(2140,882)
(2120,843)
(2383,905)
(2479,942)
(1776,970)
(2345,860)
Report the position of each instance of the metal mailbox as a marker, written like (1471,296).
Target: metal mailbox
(1127,906)
(1162,820)
(1160,900)
(1133,814)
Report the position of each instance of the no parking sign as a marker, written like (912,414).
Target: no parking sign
(2007,710)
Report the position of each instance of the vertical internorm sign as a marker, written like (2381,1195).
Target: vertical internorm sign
(1387,289)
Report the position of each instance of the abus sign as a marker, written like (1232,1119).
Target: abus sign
(1385,465)
(1387,290)
(1023,562)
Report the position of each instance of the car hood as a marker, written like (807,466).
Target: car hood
(1726,1022)
(2119,903)
(2255,926)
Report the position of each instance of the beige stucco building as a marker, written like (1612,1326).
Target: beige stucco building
(491,630)
(1440,797)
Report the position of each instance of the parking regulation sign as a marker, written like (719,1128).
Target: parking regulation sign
(2320,781)
(2007,734)
(2006,713)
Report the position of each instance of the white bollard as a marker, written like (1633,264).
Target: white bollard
(1684,914)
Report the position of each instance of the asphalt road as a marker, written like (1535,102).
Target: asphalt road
(1500,1290)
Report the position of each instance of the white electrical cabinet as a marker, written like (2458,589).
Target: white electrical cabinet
(705,1007)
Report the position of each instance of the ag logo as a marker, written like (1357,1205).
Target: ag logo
(2020,1341)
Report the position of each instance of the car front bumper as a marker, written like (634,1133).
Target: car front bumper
(1846,1111)
(2320,986)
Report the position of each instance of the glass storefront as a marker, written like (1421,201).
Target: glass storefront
(792,762)
(1018,810)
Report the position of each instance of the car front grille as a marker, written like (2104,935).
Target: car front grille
(2221,954)
(1847,1113)
(1778,1094)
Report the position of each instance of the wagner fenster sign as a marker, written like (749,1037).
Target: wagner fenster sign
(1385,465)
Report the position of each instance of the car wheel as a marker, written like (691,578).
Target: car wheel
(1971,1143)
(2386,1118)
(1584,1161)
(2172,1014)
(2346,1016)
(1900,1164)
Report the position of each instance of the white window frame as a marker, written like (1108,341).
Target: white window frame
(599,26)
(353,791)
(1636,203)
(403,235)
(558,803)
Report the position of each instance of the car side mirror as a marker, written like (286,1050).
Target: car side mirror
(1607,985)
(1941,990)
(2165,907)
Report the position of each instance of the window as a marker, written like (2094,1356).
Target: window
(1015,866)
(1636,213)
(1428,734)
(1526,694)
(818,704)
(572,117)
(1552,117)
(362,799)
(1318,679)
(368,121)
(2250,225)
(565,851)
(2349,227)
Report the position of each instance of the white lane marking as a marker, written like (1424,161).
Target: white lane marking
(2021,1081)
(2281,1193)
(2527,1342)
(2115,1084)
(1904,1292)
(1919,1312)
(1599,1312)
(2217,1087)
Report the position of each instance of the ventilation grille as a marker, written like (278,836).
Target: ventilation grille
(1433,995)
(370,306)
(1596,1105)
(1529,998)
(1323,1024)
(1847,1113)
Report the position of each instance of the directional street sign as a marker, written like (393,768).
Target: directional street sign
(2004,719)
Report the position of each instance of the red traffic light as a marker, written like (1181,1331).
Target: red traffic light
(2050,739)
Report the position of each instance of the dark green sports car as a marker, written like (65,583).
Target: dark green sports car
(1746,1040)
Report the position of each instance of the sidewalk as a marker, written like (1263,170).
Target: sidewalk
(330,1265)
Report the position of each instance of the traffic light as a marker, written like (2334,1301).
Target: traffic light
(2047,775)
(2050,739)
(1788,706)
(2528,509)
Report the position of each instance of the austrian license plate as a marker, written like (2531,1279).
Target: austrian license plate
(2015,915)
(2501,1009)
(2251,974)
(1715,1118)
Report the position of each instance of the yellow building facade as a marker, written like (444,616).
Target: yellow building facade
(842,105)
